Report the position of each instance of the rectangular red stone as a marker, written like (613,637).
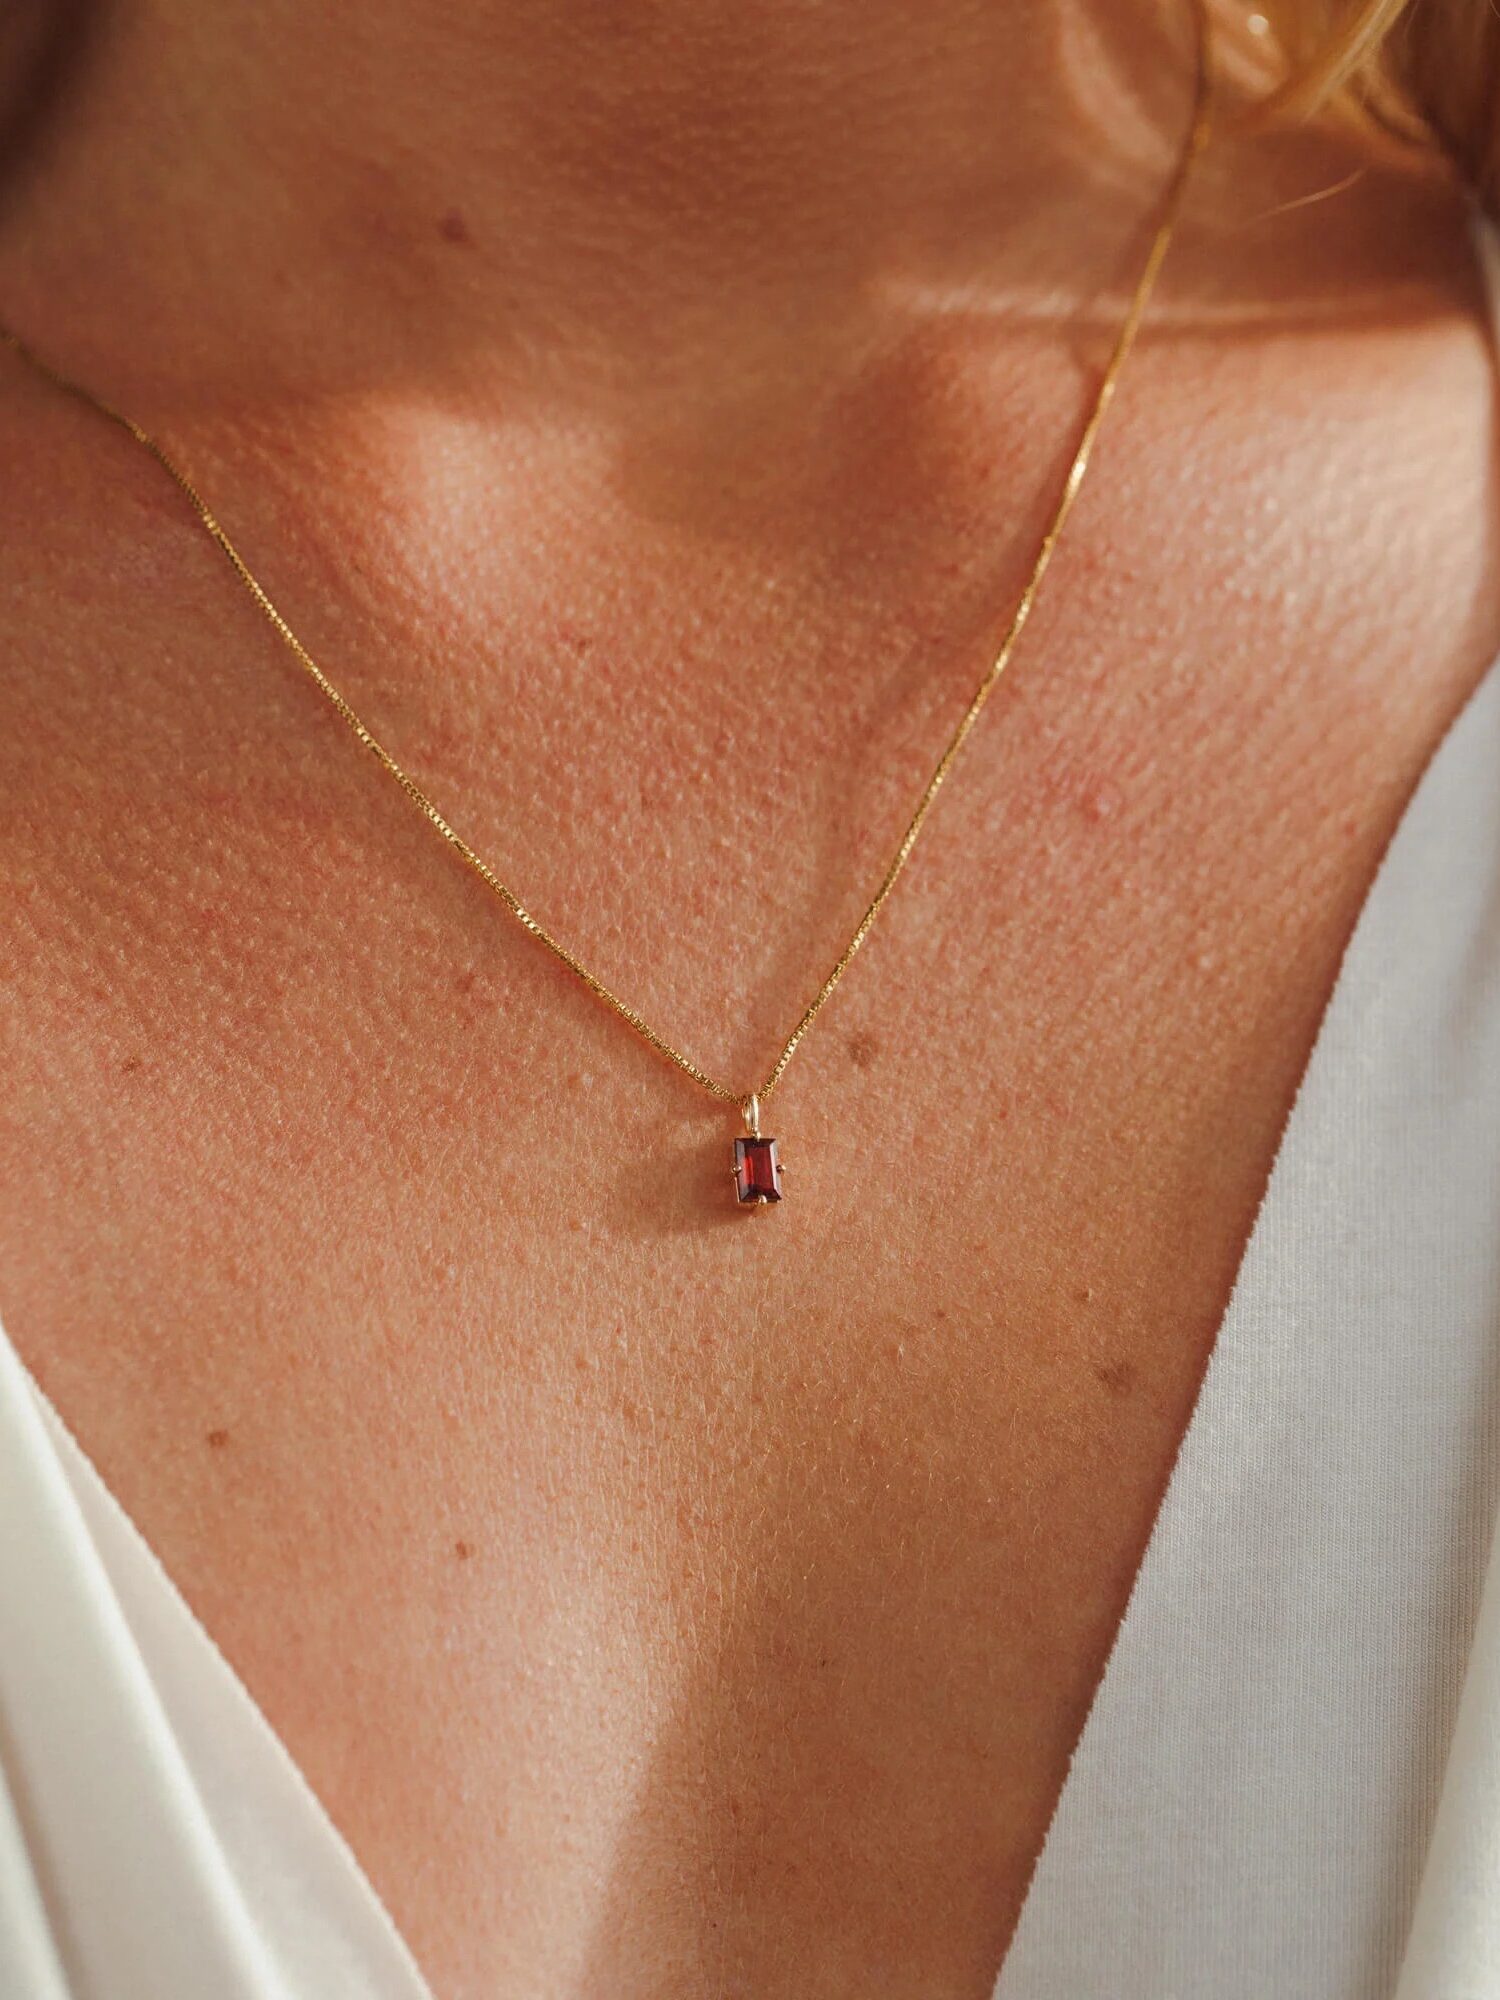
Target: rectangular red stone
(757,1171)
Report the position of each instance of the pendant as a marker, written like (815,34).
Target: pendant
(757,1170)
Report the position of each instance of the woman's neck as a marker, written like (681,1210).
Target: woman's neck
(613,198)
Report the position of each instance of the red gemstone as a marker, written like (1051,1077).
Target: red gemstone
(757,1171)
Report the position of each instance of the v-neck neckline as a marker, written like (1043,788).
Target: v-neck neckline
(1161,1542)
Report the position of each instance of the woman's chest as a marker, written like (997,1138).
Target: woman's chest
(662,1595)
(679,1611)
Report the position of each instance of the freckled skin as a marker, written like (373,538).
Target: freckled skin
(667,1599)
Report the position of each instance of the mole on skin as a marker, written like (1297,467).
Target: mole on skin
(218,1439)
(1117,1376)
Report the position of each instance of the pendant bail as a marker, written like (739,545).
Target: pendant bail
(751,1107)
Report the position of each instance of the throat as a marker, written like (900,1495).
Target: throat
(536,197)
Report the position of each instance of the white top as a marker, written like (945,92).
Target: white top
(1289,1784)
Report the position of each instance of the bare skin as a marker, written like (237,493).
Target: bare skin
(664,1600)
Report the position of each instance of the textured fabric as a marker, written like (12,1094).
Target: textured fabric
(1288,1787)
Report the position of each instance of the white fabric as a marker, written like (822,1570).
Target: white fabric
(1288,1787)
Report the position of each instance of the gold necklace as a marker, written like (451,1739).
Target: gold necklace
(757,1168)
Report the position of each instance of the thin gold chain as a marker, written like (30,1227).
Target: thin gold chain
(1124,341)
